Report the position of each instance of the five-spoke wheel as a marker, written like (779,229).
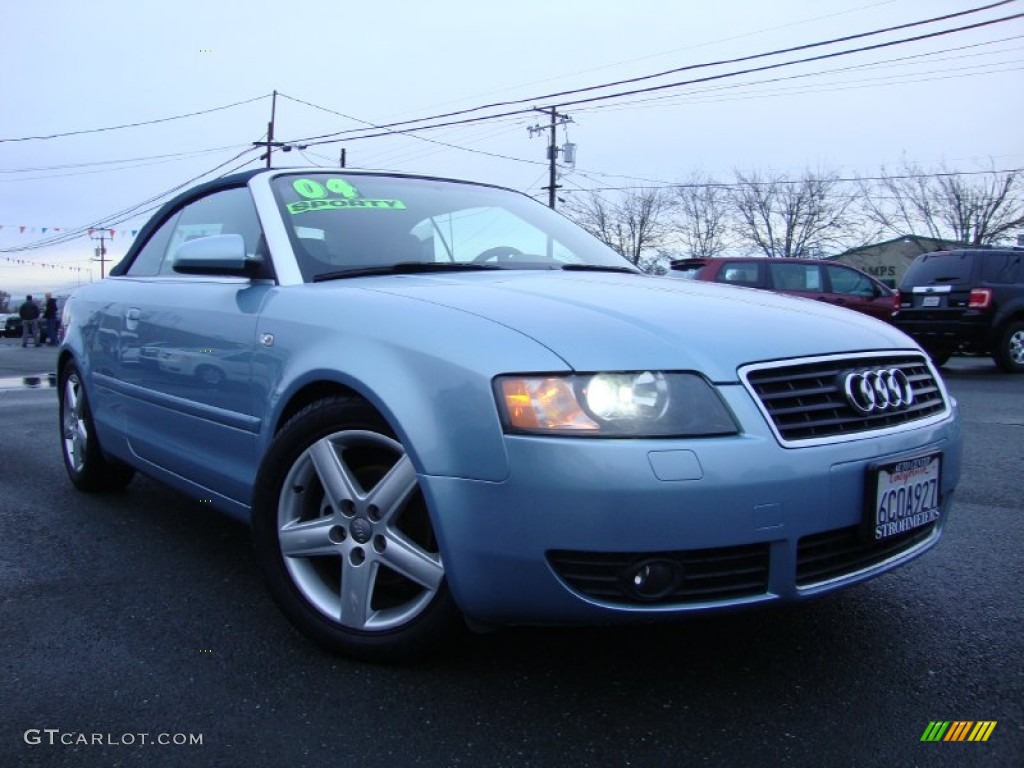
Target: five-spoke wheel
(84,461)
(345,537)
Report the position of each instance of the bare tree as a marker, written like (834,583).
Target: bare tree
(798,218)
(976,209)
(702,222)
(636,225)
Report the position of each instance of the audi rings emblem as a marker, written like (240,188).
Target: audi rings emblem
(881,391)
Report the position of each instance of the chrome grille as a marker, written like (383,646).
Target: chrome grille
(805,401)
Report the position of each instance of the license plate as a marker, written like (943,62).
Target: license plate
(931,301)
(906,496)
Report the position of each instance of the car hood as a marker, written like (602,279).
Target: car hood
(636,322)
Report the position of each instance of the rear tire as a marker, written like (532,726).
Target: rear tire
(344,537)
(1009,352)
(87,467)
(939,359)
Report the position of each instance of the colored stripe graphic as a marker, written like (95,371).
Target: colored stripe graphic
(982,730)
(958,731)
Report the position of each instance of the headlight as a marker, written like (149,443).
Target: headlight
(634,404)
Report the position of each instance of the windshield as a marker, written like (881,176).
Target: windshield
(341,222)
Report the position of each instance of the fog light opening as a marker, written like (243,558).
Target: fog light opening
(652,579)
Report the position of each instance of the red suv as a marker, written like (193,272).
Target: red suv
(826,281)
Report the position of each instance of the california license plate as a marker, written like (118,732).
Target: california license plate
(906,496)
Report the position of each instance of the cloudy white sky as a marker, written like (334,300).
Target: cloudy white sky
(70,66)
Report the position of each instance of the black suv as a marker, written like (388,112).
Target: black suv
(966,301)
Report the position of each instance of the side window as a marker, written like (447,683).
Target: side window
(795,277)
(230,212)
(147,262)
(1002,268)
(746,273)
(849,282)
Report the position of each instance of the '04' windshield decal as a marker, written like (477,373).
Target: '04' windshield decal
(334,194)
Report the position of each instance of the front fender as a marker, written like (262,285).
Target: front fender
(426,368)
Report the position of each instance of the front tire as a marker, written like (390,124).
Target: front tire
(84,461)
(344,537)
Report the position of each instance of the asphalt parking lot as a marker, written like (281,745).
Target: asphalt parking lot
(140,616)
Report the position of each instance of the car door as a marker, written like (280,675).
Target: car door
(855,290)
(185,351)
(797,279)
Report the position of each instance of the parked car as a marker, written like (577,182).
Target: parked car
(12,326)
(967,301)
(449,405)
(826,281)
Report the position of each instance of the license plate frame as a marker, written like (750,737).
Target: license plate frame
(902,495)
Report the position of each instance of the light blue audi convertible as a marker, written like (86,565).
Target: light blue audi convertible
(440,403)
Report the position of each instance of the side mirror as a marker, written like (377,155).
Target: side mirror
(214,255)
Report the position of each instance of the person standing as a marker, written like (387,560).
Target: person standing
(29,314)
(50,318)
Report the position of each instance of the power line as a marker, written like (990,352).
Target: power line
(127,213)
(715,95)
(650,89)
(412,136)
(674,51)
(134,125)
(117,162)
(690,67)
(652,184)
(902,61)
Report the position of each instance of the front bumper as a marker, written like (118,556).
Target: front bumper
(753,521)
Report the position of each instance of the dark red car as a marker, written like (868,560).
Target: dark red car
(826,281)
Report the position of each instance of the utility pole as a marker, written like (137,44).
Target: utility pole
(270,143)
(101,253)
(557,119)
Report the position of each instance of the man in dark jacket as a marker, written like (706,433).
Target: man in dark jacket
(29,314)
(50,320)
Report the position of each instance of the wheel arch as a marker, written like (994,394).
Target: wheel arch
(435,431)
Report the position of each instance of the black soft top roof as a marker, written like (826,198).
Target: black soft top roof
(192,193)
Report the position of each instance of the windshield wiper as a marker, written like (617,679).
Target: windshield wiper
(405,268)
(599,268)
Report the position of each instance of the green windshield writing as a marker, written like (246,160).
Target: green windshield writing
(317,197)
(302,206)
(314,190)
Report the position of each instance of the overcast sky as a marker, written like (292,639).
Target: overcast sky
(68,65)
